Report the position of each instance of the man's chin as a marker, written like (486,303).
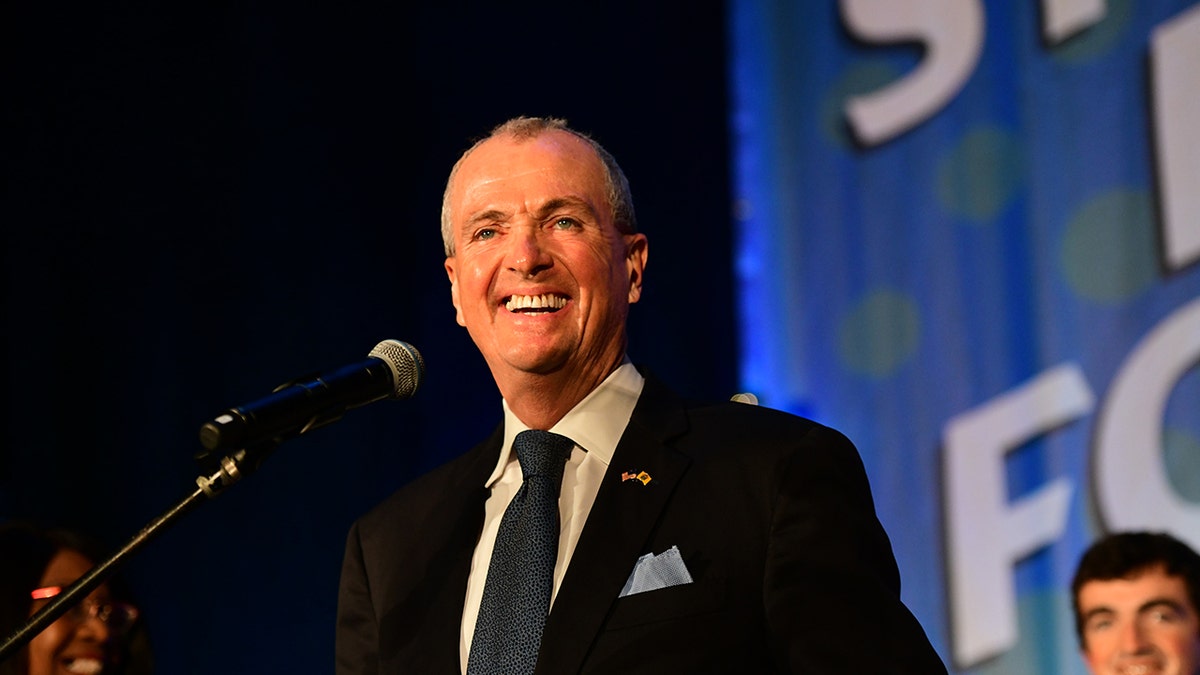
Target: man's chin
(545,362)
(544,367)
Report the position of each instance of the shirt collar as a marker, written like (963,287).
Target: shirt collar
(595,424)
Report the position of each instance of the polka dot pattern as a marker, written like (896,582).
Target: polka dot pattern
(981,175)
(516,596)
(880,334)
(1109,248)
(1181,450)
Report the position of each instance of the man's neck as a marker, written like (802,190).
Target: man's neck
(541,400)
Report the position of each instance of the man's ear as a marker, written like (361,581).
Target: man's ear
(637,250)
(453,276)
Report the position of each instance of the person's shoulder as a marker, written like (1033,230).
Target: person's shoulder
(727,411)
(740,439)
(757,424)
(749,423)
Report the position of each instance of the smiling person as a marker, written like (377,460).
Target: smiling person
(1135,597)
(91,638)
(607,525)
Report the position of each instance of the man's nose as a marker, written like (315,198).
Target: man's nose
(1133,637)
(527,250)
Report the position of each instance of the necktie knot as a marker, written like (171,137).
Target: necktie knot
(542,453)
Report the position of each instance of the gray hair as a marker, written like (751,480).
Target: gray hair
(620,200)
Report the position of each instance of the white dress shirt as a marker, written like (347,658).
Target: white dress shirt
(595,424)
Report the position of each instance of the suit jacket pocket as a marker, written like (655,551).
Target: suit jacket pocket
(666,604)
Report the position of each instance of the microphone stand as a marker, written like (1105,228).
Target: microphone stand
(229,470)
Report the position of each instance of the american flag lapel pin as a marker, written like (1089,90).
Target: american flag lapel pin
(638,476)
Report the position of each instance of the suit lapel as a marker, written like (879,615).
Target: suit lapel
(436,647)
(618,528)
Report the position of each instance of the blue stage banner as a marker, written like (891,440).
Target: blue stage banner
(968,236)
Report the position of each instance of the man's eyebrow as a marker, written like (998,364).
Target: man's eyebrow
(542,211)
(1096,611)
(490,214)
(557,203)
(1156,603)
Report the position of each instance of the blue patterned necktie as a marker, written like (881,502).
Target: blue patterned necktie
(516,596)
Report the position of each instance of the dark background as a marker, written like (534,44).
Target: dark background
(203,200)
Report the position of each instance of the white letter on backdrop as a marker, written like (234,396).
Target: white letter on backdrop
(1132,489)
(1175,55)
(1064,18)
(952,32)
(987,534)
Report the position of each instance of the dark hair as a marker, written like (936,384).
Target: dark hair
(1124,555)
(26,549)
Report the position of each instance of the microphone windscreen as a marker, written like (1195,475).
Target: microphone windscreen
(408,368)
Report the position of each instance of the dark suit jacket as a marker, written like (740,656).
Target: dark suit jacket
(772,514)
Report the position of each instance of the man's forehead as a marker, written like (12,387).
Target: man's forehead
(1133,589)
(504,173)
(496,180)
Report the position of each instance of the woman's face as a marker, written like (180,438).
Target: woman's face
(76,642)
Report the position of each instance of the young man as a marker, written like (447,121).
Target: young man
(1135,596)
(686,538)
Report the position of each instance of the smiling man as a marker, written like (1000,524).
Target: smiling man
(542,271)
(607,525)
(1135,597)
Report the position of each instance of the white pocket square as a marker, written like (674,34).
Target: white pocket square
(652,572)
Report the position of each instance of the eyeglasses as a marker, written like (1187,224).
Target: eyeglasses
(118,616)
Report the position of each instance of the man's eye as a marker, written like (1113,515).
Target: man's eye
(485,233)
(565,224)
(1164,615)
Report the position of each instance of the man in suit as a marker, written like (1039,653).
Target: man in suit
(1136,596)
(722,538)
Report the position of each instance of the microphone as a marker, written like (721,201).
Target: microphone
(393,370)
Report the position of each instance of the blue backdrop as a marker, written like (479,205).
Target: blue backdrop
(967,236)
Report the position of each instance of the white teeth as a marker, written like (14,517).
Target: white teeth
(543,301)
(85,666)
